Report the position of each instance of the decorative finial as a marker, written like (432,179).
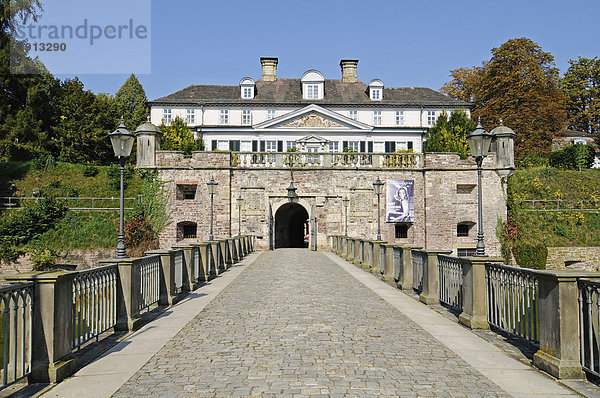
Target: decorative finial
(501,123)
(479,126)
(148,118)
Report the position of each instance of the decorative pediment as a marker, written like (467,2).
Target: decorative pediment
(312,120)
(312,139)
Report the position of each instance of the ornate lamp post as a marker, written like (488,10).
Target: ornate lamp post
(122,142)
(240,200)
(212,186)
(378,185)
(479,143)
(346,202)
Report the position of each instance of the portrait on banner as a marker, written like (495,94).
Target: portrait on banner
(400,206)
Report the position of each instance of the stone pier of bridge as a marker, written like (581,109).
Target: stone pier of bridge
(293,322)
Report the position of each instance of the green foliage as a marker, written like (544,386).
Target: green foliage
(138,231)
(530,255)
(131,103)
(519,84)
(114,177)
(450,134)
(575,157)
(155,202)
(528,161)
(42,258)
(90,171)
(581,86)
(178,137)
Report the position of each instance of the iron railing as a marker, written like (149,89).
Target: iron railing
(557,204)
(512,295)
(148,272)
(589,325)
(179,263)
(17,310)
(419,261)
(73,203)
(94,303)
(450,281)
(397,263)
(195,263)
(381,259)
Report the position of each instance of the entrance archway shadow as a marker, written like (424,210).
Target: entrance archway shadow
(291,226)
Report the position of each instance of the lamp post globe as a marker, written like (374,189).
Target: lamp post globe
(212,185)
(122,142)
(479,144)
(378,186)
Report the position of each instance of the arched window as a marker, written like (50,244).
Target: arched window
(187,230)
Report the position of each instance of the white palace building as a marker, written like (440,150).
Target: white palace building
(311,114)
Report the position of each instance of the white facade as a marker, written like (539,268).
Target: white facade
(376,119)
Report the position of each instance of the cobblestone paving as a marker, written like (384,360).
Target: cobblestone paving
(296,324)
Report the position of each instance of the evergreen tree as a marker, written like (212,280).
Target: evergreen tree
(178,137)
(131,103)
(450,134)
(519,84)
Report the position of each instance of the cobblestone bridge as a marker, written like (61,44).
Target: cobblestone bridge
(298,323)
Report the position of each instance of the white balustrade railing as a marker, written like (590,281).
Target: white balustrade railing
(326,160)
(94,303)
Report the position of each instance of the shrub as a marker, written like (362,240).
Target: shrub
(90,171)
(42,258)
(577,157)
(530,256)
(138,231)
(533,161)
(114,177)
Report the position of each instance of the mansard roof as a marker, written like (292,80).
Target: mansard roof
(289,92)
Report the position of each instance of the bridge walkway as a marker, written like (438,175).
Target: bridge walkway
(298,323)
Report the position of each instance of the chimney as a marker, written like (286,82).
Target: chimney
(349,70)
(269,69)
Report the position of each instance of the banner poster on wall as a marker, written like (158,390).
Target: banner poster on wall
(400,201)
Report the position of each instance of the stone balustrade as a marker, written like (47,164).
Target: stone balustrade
(112,297)
(547,308)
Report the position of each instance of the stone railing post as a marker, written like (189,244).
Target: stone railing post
(405,282)
(558,305)
(168,295)
(349,249)
(52,327)
(128,295)
(235,256)
(224,254)
(208,267)
(187,277)
(431,275)
(216,258)
(388,270)
(474,314)
(376,265)
(356,251)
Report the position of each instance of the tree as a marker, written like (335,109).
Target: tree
(450,134)
(581,86)
(519,84)
(14,12)
(178,137)
(131,103)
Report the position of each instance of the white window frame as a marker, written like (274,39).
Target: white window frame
(247,92)
(334,146)
(402,145)
(312,91)
(223,116)
(353,114)
(223,145)
(270,114)
(375,94)
(290,144)
(246,116)
(190,117)
(399,118)
(377,118)
(354,145)
(378,147)
(167,116)
(246,146)
(271,146)
(431,118)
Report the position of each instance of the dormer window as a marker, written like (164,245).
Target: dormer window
(247,88)
(376,90)
(313,85)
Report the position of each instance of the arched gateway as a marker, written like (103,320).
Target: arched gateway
(291,226)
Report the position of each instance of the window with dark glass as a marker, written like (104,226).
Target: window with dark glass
(401,231)
(462,229)
(186,191)
(189,231)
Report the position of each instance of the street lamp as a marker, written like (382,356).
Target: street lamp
(240,200)
(122,142)
(346,202)
(479,143)
(212,186)
(378,185)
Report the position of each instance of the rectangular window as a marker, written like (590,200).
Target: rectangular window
(271,146)
(234,145)
(247,92)
(353,114)
(377,118)
(401,231)
(167,116)
(246,116)
(312,91)
(399,118)
(353,145)
(462,229)
(378,147)
(189,231)
(375,93)
(224,116)
(390,146)
(186,191)
(334,146)
(402,145)
(246,146)
(190,117)
(430,118)
(289,145)
(270,113)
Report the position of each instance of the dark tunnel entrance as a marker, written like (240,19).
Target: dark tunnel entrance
(291,226)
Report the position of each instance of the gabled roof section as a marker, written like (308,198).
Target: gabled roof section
(313,116)
(289,92)
(312,138)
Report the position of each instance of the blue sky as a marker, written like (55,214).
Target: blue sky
(404,43)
